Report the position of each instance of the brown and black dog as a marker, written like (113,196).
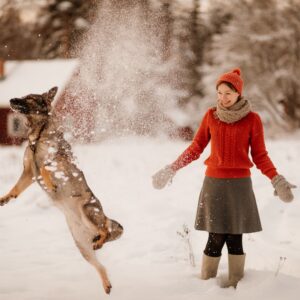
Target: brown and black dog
(49,160)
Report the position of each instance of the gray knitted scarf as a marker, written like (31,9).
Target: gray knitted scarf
(234,113)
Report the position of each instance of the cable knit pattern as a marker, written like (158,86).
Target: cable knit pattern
(230,145)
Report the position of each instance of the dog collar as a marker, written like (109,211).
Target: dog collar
(32,144)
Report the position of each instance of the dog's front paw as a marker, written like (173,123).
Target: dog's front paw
(4,200)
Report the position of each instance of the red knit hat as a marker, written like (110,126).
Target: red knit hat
(233,77)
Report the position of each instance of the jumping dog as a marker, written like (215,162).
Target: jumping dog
(48,160)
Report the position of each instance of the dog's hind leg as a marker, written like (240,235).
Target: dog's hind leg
(83,241)
(102,272)
(105,228)
(90,256)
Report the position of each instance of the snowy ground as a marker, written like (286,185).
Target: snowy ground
(38,259)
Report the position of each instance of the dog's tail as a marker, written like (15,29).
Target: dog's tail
(115,230)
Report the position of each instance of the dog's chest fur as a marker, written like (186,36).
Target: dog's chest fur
(52,160)
(55,169)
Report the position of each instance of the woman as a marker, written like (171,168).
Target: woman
(227,206)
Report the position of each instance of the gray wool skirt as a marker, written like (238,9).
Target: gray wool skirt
(227,205)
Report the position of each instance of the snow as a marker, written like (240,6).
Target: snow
(65,6)
(151,260)
(34,77)
(81,24)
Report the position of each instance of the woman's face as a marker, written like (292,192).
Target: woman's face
(226,96)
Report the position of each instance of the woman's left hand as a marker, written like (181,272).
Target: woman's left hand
(283,188)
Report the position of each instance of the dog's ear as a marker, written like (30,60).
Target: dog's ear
(51,93)
(49,96)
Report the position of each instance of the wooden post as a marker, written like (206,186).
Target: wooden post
(2,73)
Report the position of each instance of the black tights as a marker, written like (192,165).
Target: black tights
(216,242)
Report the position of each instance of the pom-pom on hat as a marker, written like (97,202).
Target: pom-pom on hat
(233,77)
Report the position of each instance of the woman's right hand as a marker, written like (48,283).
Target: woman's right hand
(283,188)
(162,177)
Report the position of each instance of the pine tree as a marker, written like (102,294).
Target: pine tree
(197,47)
(61,25)
(11,35)
(188,40)
(54,31)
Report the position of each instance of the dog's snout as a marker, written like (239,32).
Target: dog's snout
(15,101)
(19,105)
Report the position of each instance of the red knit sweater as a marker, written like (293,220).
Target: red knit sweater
(230,145)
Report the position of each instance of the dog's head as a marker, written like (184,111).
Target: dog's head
(34,105)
